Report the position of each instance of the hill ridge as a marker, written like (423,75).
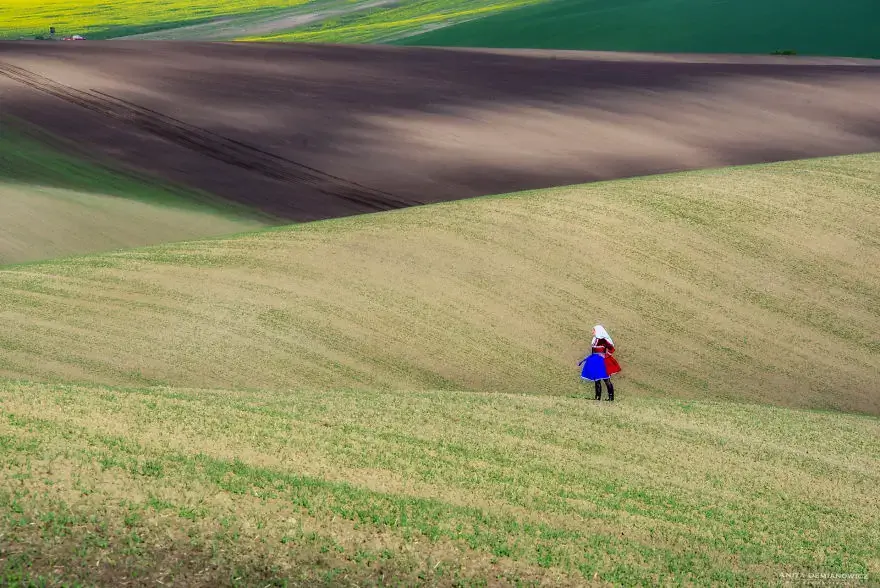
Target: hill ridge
(427,297)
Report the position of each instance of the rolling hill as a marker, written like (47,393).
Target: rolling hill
(814,27)
(393,397)
(308,132)
(726,284)
(389,395)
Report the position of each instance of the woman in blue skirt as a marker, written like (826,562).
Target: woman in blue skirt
(600,365)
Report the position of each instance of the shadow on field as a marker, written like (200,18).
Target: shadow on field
(175,564)
(308,132)
(33,158)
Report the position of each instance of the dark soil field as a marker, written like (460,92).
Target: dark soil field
(307,132)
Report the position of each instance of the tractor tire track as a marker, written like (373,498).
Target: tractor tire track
(209,143)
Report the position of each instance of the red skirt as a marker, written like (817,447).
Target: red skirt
(611,364)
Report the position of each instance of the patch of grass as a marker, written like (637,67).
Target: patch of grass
(689,26)
(348,484)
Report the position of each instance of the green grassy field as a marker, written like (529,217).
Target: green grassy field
(54,203)
(814,27)
(359,487)
(723,26)
(727,284)
(393,399)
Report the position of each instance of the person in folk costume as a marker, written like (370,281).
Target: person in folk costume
(600,364)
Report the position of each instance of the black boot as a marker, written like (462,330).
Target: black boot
(610,387)
(598,389)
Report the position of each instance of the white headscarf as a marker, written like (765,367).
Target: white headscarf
(599,332)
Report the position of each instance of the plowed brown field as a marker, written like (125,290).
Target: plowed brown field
(308,132)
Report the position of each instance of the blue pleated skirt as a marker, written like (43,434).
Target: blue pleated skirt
(594,368)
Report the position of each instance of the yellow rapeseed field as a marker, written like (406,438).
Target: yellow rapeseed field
(30,17)
(387,23)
